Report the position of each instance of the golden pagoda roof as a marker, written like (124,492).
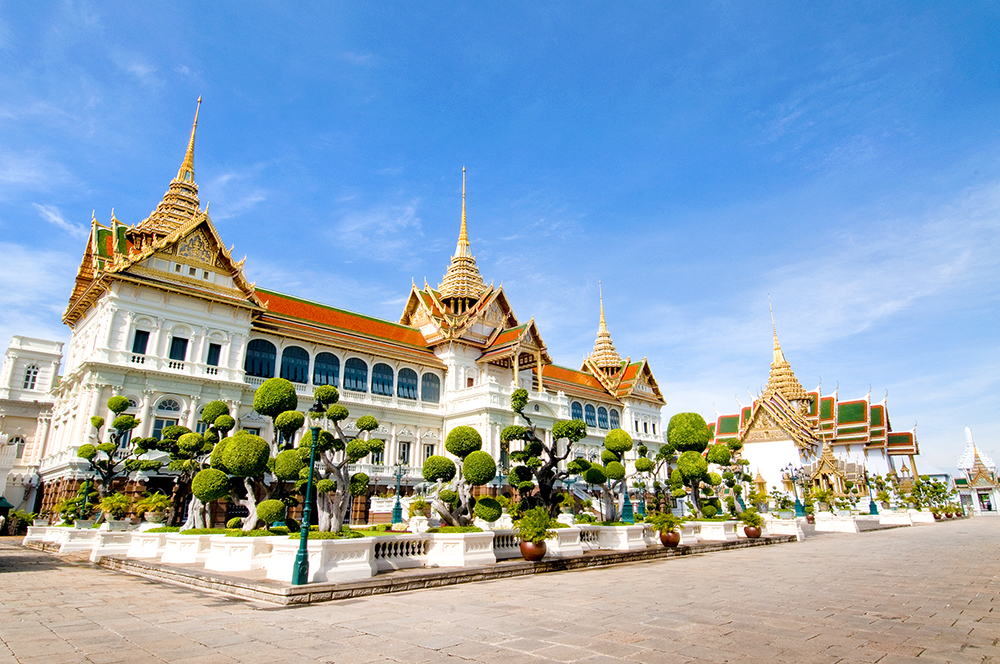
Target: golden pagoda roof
(180,202)
(462,278)
(782,379)
(604,356)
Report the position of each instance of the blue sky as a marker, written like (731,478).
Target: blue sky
(692,157)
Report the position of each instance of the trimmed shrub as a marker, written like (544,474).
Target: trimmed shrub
(97,421)
(479,468)
(359,484)
(289,422)
(518,400)
(327,395)
(287,465)
(357,449)
(577,466)
(173,432)
(326,486)
(118,405)
(448,496)
(235,522)
(213,410)
(687,432)
(607,456)
(595,475)
(87,451)
(513,432)
(270,511)
(714,479)
(246,455)
(692,465)
(367,423)
(709,511)
(719,454)
(618,441)
(643,465)
(190,443)
(225,423)
(275,396)
(337,413)
(376,445)
(215,460)
(462,441)
(125,423)
(488,509)
(614,471)
(210,484)
(439,467)
(572,430)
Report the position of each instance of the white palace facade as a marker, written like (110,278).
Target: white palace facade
(161,313)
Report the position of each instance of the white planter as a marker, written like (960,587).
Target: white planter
(400,551)
(921,517)
(77,540)
(566,544)
(55,534)
(110,543)
(901,518)
(40,523)
(460,549)
(689,533)
(784,527)
(506,544)
(827,522)
(185,549)
(146,545)
(620,538)
(35,534)
(717,531)
(332,561)
(84,523)
(239,554)
(568,519)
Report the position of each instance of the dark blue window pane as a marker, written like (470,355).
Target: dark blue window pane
(591,416)
(430,388)
(326,369)
(178,349)
(214,350)
(356,375)
(615,422)
(295,364)
(577,409)
(602,417)
(382,379)
(406,384)
(140,341)
(261,355)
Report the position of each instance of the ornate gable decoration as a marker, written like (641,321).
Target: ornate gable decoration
(195,247)
(763,428)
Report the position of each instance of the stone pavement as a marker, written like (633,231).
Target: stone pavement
(927,593)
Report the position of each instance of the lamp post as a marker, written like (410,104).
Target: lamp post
(641,487)
(300,575)
(795,475)
(397,509)
(872,509)
(628,516)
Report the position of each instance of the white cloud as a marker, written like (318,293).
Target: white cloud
(364,59)
(387,232)
(31,171)
(36,287)
(52,214)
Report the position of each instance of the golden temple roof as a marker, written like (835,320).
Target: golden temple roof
(604,355)
(180,202)
(462,278)
(782,379)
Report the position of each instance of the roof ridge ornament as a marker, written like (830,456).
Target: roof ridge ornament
(604,356)
(782,379)
(462,284)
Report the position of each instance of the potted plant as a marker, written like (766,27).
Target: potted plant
(533,529)
(822,499)
(809,510)
(752,523)
(666,524)
(153,506)
(883,497)
(567,503)
(117,505)
(419,507)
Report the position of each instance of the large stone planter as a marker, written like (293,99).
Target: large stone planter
(110,543)
(72,539)
(774,527)
(827,522)
(146,545)
(922,517)
(332,561)
(460,549)
(400,551)
(186,549)
(717,531)
(899,518)
(238,554)
(505,545)
(689,533)
(566,544)
(620,538)
(34,534)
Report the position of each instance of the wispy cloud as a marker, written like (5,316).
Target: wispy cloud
(387,232)
(31,171)
(37,284)
(54,216)
(363,59)
(235,192)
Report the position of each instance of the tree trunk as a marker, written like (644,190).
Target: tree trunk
(197,515)
(324,512)
(250,502)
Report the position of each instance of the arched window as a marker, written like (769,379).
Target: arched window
(591,415)
(168,406)
(295,364)
(261,355)
(382,376)
(19,443)
(577,410)
(326,369)
(430,388)
(406,384)
(30,377)
(615,422)
(602,417)
(355,375)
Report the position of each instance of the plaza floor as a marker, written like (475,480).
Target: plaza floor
(926,593)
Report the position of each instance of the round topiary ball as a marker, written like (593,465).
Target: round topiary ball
(359,484)
(488,509)
(246,455)
(225,423)
(213,410)
(215,460)
(210,484)
(287,465)
(376,445)
(692,465)
(191,443)
(618,441)
(595,475)
(518,400)
(357,449)
(235,522)
(275,396)
(479,468)
(607,456)
(97,421)
(327,395)
(270,511)
(325,486)
(118,405)
(719,454)
(714,479)
(173,432)
(87,451)
(337,413)
(643,465)
(448,496)
(709,511)
(125,423)
(614,471)
(687,432)
(462,441)
(367,423)
(289,422)
(438,467)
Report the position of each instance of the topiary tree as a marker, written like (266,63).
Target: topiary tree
(689,435)
(453,498)
(611,476)
(101,457)
(276,398)
(539,462)
(335,486)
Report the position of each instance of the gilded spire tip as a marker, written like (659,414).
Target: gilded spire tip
(186,172)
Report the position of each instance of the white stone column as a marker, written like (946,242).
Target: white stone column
(144,413)
(192,414)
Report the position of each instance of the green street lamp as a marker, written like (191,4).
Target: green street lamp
(628,516)
(397,509)
(300,575)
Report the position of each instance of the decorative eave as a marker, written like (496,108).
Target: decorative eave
(632,376)
(785,416)
(581,384)
(426,311)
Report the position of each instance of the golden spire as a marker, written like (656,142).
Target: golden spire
(180,202)
(604,356)
(462,284)
(782,378)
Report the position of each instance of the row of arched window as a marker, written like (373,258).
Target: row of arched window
(599,417)
(262,357)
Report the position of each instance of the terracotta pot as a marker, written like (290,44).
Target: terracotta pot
(752,532)
(671,539)
(950,515)
(532,552)
(810,518)
(937,517)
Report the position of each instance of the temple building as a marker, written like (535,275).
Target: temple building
(978,485)
(790,432)
(162,314)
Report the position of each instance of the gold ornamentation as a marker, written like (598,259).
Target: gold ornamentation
(604,356)
(195,246)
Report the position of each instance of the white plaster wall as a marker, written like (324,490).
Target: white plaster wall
(769,457)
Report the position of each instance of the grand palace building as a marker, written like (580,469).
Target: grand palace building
(161,313)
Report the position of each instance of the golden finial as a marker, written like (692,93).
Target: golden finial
(600,290)
(463,248)
(462,280)
(604,355)
(186,173)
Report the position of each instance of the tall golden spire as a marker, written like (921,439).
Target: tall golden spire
(782,379)
(462,284)
(604,356)
(180,202)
